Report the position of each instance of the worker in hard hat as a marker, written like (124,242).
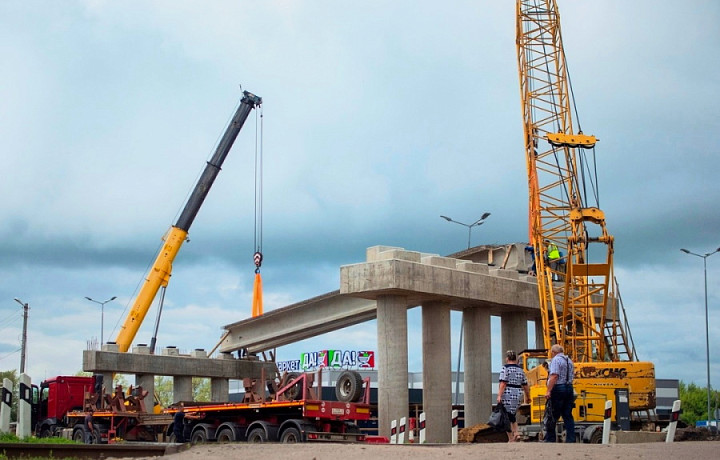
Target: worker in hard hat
(553,255)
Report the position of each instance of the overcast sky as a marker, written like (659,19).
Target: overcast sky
(378,117)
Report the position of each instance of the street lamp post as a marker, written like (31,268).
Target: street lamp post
(707,331)
(102,315)
(24,334)
(478,222)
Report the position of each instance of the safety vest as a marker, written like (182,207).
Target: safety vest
(553,252)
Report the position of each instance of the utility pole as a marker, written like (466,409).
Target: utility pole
(26,307)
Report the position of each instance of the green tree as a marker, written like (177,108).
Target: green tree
(201,389)
(694,402)
(164,390)
(14,378)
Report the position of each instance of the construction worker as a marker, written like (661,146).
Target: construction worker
(88,427)
(553,255)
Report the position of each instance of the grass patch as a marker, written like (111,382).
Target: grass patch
(11,438)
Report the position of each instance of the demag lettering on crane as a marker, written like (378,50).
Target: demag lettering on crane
(334,359)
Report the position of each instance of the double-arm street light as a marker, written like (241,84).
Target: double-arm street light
(478,222)
(707,332)
(102,315)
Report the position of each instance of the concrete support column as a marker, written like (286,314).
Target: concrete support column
(539,339)
(478,365)
(220,390)
(147,382)
(24,409)
(393,399)
(513,332)
(107,384)
(182,389)
(437,375)
(6,405)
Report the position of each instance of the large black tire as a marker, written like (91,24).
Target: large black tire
(349,386)
(257,435)
(78,435)
(291,436)
(198,436)
(295,392)
(226,435)
(596,437)
(47,431)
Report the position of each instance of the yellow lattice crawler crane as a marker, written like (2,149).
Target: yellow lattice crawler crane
(579,300)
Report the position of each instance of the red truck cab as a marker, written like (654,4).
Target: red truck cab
(56,397)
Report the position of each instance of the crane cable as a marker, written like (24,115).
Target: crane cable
(257,303)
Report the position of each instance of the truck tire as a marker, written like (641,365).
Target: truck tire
(596,437)
(291,436)
(349,387)
(294,392)
(257,435)
(48,431)
(78,435)
(198,436)
(226,435)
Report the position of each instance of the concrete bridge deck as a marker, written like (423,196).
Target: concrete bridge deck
(419,277)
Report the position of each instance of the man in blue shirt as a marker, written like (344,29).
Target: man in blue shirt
(561,394)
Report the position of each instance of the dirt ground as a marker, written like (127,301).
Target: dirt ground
(495,451)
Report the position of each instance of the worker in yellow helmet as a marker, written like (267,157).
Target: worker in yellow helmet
(554,259)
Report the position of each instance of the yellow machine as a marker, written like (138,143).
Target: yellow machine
(159,273)
(579,300)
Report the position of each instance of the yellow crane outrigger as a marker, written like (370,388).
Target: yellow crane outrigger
(159,274)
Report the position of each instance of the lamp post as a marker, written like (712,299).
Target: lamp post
(707,331)
(478,222)
(102,315)
(24,334)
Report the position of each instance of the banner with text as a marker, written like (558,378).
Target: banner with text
(332,359)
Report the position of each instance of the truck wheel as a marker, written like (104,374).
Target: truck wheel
(349,387)
(295,391)
(291,436)
(198,437)
(225,436)
(596,437)
(257,435)
(47,431)
(78,435)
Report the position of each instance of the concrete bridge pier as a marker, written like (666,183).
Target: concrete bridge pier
(393,398)
(147,381)
(219,389)
(513,332)
(539,340)
(437,375)
(478,365)
(182,389)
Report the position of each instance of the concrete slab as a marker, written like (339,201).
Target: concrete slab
(131,363)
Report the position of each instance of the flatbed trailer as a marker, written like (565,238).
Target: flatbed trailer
(293,411)
(274,421)
(112,426)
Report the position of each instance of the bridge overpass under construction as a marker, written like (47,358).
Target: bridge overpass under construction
(480,282)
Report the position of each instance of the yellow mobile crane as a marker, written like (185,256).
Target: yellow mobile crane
(579,300)
(159,273)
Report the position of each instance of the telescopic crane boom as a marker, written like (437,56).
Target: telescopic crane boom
(159,274)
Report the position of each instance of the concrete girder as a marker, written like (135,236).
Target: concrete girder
(299,321)
(180,366)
